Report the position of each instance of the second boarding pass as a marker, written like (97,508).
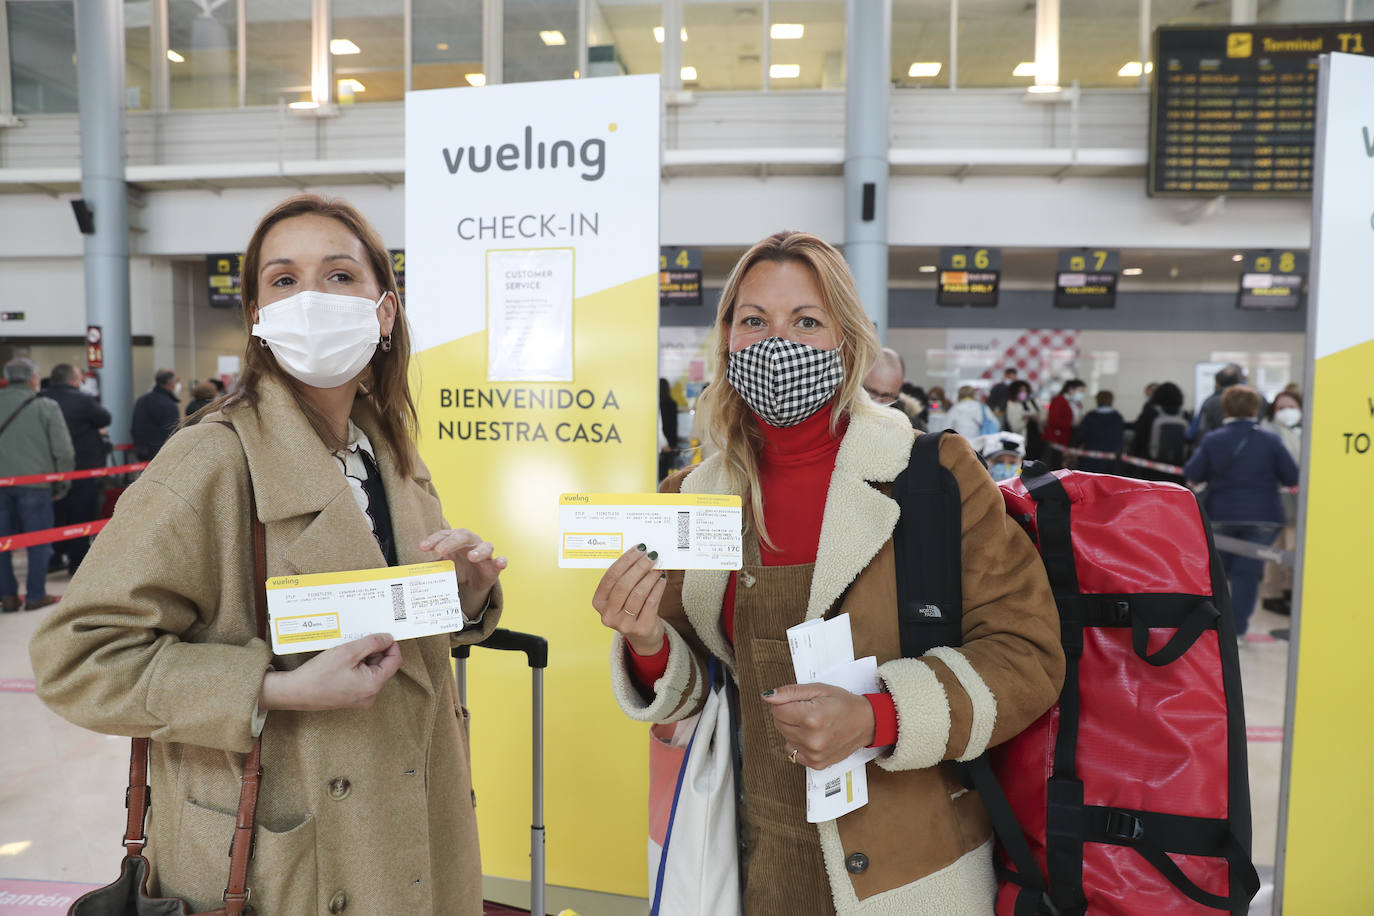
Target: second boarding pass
(687,530)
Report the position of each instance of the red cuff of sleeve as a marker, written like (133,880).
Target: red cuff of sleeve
(884,719)
(648,669)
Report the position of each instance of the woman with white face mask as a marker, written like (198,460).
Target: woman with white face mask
(813,459)
(365,800)
(1284,419)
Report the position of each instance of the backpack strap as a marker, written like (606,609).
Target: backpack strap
(927,547)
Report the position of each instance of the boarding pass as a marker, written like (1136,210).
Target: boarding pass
(308,613)
(686,530)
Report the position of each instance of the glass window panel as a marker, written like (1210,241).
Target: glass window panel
(446,48)
(625,37)
(138,61)
(817,56)
(204,33)
(1188,12)
(920,36)
(278,49)
(994,36)
(1097,38)
(1303,11)
(42,57)
(724,44)
(541,40)
(377,72)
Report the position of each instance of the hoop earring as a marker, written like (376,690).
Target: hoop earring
(386,344)
(262,343)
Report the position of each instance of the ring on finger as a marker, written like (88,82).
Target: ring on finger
(630,612)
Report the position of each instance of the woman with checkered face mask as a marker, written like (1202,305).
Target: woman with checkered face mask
(813,459)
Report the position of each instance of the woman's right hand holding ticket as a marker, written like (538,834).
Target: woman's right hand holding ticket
(627,599)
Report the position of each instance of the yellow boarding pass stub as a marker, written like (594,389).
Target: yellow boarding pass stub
(688,530)
(308,613)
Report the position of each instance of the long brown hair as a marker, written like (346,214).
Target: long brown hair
(388,373)
(726,418)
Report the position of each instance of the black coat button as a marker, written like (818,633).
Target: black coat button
(856,864)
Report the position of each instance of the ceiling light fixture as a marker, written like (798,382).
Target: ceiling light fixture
(1237,257)
(784,71)
(1025,68)
(552,37)
(174,57)
(927,268)
(1132,68)
(658,33)
(304,106)
(441,46)
(924,68)
(785,31)
(689,74)
(343,46)
(1132,271)
(476,79)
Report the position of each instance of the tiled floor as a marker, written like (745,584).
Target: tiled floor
(62,788)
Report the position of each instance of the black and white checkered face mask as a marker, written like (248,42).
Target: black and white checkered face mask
(784,381)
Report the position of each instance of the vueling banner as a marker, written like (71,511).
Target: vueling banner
(1329,792)
(532,274)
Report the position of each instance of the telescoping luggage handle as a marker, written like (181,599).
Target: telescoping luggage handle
(536,649)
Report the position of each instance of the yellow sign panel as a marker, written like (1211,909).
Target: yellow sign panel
(1240,44)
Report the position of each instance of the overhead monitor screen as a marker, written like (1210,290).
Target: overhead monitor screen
(1233,110)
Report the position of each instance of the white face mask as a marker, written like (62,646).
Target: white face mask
(323,339)
(1288,416)
(176,389)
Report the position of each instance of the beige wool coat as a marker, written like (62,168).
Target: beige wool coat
(927,842)
(361,811)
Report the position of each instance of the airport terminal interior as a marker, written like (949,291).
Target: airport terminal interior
(1041,205)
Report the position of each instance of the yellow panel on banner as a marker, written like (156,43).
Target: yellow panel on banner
(1330,796)
(532,250)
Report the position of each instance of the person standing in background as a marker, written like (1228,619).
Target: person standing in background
(1243,467)
(1285,421)
(1059,429)
(885,384)
(997,397)
(33,440)
(1103,430)
(966,417)
(667,417)
(1210,415)
(85,419)
(156,414)
(1023,417)
(203,393)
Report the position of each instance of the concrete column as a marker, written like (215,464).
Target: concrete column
(868,66)
(100,93)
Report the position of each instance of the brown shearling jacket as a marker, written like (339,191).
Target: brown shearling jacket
(928,842)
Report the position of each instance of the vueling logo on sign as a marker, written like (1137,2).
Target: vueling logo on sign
(590,156)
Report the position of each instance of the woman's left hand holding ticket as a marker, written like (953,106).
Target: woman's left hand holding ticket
(474,561)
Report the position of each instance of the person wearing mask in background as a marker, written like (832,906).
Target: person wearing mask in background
(33,440)
(1060,423)
(156,414)
(667,421)
(1243,467)
(1285,421)
(1004,453)
(1211,415)
(809,455)
(365,796)
(85,419)
(1161,433)
(884,383)
(1102,430)
(967,416)
(937,406)
(201,395)
(997,397)
(1024,418)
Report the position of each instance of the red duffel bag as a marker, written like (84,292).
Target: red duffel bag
(1129,797)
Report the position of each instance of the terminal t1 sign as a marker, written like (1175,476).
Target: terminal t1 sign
(1086,278)
(1272,280)
(969,276)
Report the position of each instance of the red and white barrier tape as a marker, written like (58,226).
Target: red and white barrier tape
(72,475)
(1124,459)
(50,535)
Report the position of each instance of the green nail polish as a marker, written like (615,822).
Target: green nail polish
(653,554)
(769,693)
(663,575)
(639,547)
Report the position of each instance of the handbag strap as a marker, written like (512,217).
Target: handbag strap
(138,797)
(16,412)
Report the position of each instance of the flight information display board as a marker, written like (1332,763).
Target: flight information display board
(1272,280)
(1086,278)
(1234,110)
(969,276)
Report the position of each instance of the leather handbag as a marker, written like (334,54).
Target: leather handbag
(128,894)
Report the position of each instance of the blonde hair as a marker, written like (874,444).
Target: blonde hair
(726,418)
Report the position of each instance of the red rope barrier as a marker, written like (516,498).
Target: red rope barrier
(50,535)
(72,475)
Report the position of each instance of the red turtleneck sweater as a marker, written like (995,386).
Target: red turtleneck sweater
(794,471)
